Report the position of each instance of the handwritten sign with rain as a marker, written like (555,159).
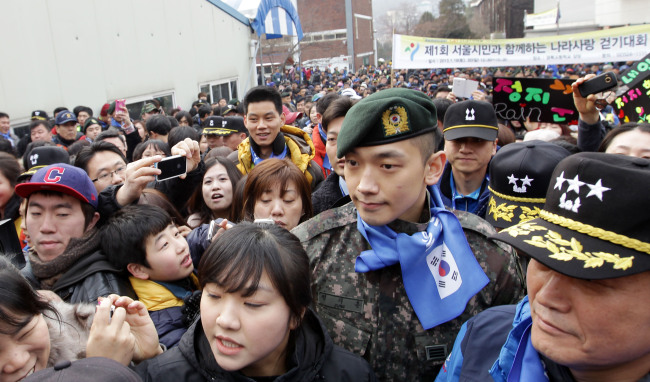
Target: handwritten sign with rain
(537,99)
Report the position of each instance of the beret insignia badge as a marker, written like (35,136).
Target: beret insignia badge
(395,121)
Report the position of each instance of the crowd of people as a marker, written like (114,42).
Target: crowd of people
(329,226)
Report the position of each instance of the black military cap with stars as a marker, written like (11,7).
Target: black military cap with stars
(594,225)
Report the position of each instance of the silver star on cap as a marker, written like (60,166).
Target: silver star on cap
(526,181)
(512,179)
(559,181)
(574,185)
(597,189)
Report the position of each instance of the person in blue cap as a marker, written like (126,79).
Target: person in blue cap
(60,217)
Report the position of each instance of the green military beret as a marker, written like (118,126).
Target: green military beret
(387,116)
(90,121)
(111,108)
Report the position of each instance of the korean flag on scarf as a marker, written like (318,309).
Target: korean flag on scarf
(439,269)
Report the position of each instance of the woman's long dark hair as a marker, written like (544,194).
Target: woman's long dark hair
(19,302)
(196,204)
(237,259)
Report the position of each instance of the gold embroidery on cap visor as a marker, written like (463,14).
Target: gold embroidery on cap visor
(567,250)
(395,121)
(506,212)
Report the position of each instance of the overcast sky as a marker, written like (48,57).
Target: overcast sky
(380,7)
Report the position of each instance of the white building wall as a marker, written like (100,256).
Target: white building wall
(588,15)
(618,12)
(87,52)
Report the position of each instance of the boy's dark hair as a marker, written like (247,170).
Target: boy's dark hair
(441,104)
(35,124)
(204,111)
(87,153)
(58,110)
(441,89)
(325,101)
(179,133)
(125,234)
(80,108)
(337,109)
(75,148)
(173,122)
(261,94)
(4,115)
(185,114)
(237,259)
(111,132)
(158,124)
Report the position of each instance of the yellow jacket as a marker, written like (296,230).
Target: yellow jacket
(300,148)
(155,296)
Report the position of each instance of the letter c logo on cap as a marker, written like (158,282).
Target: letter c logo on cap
(53,175)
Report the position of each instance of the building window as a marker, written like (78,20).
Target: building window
(330,35)
(166,99)
(220,89)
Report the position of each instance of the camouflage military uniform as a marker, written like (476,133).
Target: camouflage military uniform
(370,314)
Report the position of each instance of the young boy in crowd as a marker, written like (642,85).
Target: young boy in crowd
(143,240)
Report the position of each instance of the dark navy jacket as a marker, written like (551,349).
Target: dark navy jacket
(445,192)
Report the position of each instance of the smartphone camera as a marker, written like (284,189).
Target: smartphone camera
(171,167)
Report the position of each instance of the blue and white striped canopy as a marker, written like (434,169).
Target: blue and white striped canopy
(276,19)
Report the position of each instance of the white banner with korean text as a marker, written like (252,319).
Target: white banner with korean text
(607,45)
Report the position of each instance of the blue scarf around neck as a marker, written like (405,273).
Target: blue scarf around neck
(8,137)
(257,159)
(326,160)
(439,269)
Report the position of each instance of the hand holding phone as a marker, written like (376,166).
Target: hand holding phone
(120,105)
(598,84)
(171,167)
(216,225)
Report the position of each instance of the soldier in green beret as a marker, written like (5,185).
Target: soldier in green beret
(395,274)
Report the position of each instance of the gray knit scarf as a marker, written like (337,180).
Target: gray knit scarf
(49,272)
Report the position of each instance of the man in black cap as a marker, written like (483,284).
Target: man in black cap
(519,176)
(286,99)
(233,131)
(586,316)
(213,135)
(470,129)
(396,272)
